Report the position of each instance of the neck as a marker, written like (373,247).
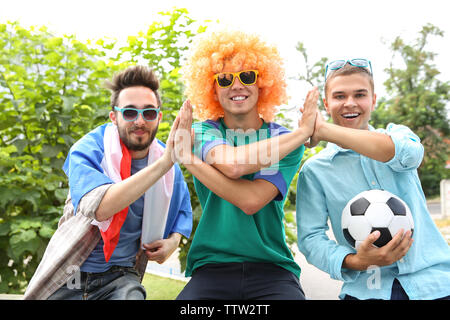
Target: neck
(243,121)
(138,154)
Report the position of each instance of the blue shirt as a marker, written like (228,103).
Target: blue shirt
(125,252)
(328,180)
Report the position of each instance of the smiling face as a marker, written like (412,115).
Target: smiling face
(238,100)
(350,100)
(137,135)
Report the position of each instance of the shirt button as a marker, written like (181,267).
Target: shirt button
(373,183)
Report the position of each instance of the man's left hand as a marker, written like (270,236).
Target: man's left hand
(160,250)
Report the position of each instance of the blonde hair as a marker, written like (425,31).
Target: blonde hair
(208,57)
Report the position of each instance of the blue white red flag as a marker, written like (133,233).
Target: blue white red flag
(101,158)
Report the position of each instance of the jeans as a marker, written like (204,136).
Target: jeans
(118,283)
(242,281)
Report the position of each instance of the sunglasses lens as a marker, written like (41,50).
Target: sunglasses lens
(150,115)
(225,79)
(247,77)
(130,114)
(360,62)
(336,64)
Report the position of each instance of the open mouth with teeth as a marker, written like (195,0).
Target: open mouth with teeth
(350,115)
(238,98)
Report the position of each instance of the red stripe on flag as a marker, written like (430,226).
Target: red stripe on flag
(112,234)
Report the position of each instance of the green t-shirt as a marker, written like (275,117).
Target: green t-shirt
(225,233)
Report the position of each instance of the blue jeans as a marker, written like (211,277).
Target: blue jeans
(242,281)
(118,283)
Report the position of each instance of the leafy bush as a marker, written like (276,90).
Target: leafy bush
(51,94)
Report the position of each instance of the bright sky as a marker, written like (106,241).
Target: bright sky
(333,29)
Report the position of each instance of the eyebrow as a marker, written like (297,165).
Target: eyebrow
(356,91)
(136,107)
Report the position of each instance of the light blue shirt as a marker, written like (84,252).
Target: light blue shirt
(328,180)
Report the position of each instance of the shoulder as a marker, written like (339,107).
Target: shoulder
(93,140)
(277,129)
(205,125)
(398,131)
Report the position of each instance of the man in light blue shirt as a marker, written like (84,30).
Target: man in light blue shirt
(359,158)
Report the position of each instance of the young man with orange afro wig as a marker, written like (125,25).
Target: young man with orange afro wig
(242,165)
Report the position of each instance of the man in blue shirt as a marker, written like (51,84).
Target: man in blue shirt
(359,158)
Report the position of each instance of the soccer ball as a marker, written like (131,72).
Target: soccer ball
(375,210)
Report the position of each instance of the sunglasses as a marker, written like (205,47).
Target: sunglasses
(337,64)
(129,113)
(226,79)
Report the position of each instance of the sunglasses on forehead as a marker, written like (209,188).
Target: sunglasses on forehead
(226,79)
(338,64)
(130,113)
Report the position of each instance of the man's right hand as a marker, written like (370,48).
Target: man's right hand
(183,135)
(310,113)
(368,255)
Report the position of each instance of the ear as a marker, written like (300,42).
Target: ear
(112,116)
(374,102)
(325,103)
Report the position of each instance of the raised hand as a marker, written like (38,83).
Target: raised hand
(309,111)
(170,142)
(183,135)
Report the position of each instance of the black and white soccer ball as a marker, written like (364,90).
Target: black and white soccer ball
(375,210)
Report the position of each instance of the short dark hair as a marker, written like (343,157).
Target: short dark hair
(347,70)
(132,77)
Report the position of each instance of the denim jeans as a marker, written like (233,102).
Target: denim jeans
(118,283)
(242,281)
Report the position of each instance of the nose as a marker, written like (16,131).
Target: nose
(237,83)
(140,120)
(349,102)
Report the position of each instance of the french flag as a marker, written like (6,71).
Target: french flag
(101,158)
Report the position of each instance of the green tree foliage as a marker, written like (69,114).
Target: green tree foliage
(419,100)
(51,94)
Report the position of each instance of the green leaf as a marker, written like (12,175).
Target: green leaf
(4,228)
(46,231)
(26,240)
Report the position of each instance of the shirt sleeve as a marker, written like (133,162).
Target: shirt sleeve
(312,224)
(180,210)
(408,149)
(207,136)
(281,173)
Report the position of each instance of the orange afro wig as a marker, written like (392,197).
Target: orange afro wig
(247,51)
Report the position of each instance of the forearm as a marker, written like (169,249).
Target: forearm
(374,145)
(120,195)
(249,196)
(235,162)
